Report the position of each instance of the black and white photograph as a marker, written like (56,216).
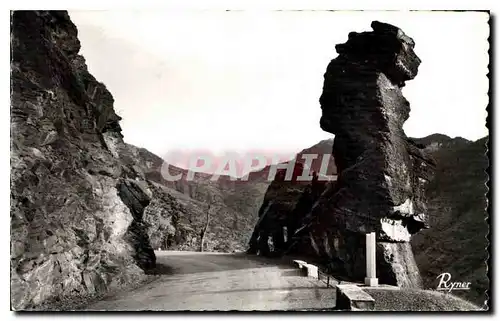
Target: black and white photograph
(182,160)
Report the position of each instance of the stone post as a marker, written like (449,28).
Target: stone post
(371,274)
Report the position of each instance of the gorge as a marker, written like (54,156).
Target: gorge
(88,210)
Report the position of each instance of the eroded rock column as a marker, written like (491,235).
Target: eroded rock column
(382,174)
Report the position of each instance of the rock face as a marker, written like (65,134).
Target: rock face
(87,209)
(270,236)
(281,217)
(382,174)
(81,215)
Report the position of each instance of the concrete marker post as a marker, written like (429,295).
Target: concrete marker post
(371,273)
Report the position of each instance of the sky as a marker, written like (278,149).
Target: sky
(251,80)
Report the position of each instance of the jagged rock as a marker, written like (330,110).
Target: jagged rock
(162,217)
(281,214)
(76,209)
(137,197)
(286,203)
(85,216)
(382,174)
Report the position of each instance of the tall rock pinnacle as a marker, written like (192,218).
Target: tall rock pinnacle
(382,174)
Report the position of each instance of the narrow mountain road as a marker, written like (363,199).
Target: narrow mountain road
(217,281)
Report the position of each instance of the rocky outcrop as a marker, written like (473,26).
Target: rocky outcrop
(137,197)
(80,213)
(282,213)
(382,174)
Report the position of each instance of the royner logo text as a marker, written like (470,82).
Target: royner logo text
(445,283)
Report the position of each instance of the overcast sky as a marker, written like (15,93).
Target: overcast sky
(251,80)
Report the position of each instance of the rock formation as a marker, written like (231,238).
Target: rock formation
(82,214)
(270,236)
(281,215)
(382,174)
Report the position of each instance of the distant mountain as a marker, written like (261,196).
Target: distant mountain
(456,241)
(234,202)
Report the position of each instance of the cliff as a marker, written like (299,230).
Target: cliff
(87,209)
(82,217)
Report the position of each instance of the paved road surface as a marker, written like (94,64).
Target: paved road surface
(213,281)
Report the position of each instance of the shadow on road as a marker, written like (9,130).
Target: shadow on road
(280,262)
(315,288)
(295,272)
(161,269)
(195,262)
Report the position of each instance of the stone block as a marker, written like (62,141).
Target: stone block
(351,297)
(299,263)
(312,271)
